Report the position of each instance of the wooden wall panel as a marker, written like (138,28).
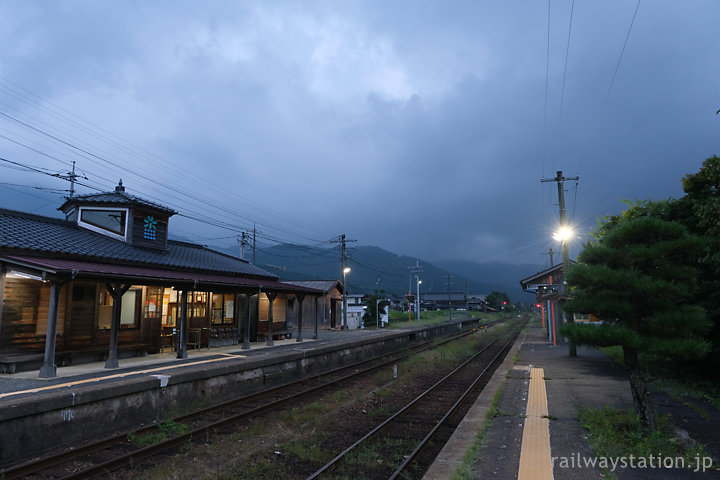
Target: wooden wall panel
(81,322)
(20,313)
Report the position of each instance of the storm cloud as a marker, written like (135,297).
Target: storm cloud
(421,127)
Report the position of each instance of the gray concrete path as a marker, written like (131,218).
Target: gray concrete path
(591,380)
(29,379)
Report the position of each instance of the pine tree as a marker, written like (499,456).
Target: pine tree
(639,278)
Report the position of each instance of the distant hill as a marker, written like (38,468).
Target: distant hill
(373,268)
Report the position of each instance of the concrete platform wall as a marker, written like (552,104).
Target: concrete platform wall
(42,422)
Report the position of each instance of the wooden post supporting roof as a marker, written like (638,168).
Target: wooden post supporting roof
(315,331)
(117,293)
(246,335)
(300,297)
(49,369)
(182,327)
(271,300)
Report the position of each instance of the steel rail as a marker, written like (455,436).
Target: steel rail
(452,409)
(144,452)
(392,418)
(25,469)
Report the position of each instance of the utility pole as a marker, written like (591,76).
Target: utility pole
(449,300)
(410,308)
(71,177)
(417,269)
(254,234)
(467,301)
(551,253)
(560,179)
(345,269)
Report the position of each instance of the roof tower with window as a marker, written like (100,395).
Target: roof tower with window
(121,216)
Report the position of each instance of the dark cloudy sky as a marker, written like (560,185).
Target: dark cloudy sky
(423,127)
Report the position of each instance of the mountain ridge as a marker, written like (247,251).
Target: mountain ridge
(374,269)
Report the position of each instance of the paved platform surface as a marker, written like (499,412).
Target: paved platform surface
(12,385)
(591,380)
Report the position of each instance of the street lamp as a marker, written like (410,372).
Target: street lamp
(563,234)
(417,300)
(346,270)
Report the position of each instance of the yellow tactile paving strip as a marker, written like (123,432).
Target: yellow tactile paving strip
(535,451)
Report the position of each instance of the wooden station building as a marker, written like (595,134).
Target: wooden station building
(106,282)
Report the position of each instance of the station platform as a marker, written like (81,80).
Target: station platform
(25,383)
(532,429)
(88,401)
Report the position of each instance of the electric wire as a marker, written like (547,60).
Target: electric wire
(547,86)
(610,86)
(562,90)
(545,121)
(132,149)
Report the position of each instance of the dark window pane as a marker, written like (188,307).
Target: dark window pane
(110,220)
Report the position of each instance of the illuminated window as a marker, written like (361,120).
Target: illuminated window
(129,309)
(223,307)
(153,302)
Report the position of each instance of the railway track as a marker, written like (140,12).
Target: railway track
(406,443)
(121,450)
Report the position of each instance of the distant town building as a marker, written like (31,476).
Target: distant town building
(454,300)
(356,310)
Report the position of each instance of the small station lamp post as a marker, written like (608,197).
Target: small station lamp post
(417,300)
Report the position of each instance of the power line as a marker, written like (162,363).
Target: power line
(562,91)
(612,82)
(129,148)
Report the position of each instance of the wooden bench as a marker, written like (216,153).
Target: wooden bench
(21,361)
(64,358)
(24,361)
(222,336)
(279,329)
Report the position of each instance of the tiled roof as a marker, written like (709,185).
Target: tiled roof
(104,270)
(324,285)
(28,234)
(118,197)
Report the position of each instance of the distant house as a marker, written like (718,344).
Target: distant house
(454,300)
(106,282)
(478,303)
(356,310)
(396,303)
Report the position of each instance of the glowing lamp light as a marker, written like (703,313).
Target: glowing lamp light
(563,234)
(346,270)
